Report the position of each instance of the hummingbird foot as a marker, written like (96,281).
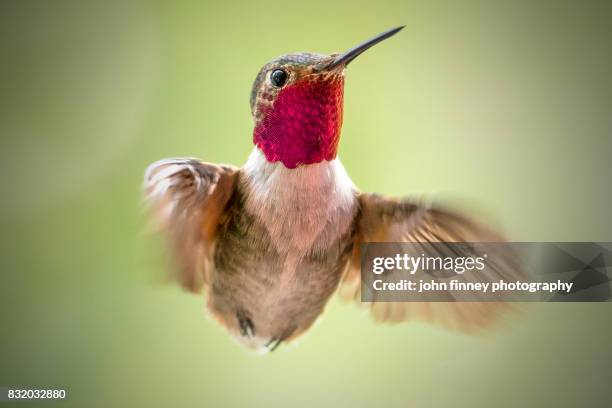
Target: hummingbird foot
(276,341)
(247,328)
(273,343)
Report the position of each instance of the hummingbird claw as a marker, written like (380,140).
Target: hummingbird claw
(273,343)
(276,341)
(247,328)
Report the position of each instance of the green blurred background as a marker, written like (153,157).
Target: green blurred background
(504,104)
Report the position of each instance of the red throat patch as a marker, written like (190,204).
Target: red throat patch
(303,124)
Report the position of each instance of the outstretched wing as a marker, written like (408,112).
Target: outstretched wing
(188,200)
(387,220)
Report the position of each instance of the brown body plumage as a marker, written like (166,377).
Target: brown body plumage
(271,279)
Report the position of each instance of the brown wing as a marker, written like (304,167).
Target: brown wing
(188,200)
(387,220)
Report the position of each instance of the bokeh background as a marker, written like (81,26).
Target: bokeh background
(504,104)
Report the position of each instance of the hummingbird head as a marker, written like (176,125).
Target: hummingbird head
(297,102)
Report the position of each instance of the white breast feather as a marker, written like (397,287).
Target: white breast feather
(304,209)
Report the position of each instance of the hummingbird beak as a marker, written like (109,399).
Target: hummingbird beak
(344,59)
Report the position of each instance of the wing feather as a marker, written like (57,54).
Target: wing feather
(188,199)
(390,220)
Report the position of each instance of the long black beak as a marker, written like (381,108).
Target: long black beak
(344,59)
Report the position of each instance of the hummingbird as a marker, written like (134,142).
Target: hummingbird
(270,242)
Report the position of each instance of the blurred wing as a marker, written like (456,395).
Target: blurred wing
(387,220)
(188,200)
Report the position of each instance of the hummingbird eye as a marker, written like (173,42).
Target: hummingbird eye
(278,77)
